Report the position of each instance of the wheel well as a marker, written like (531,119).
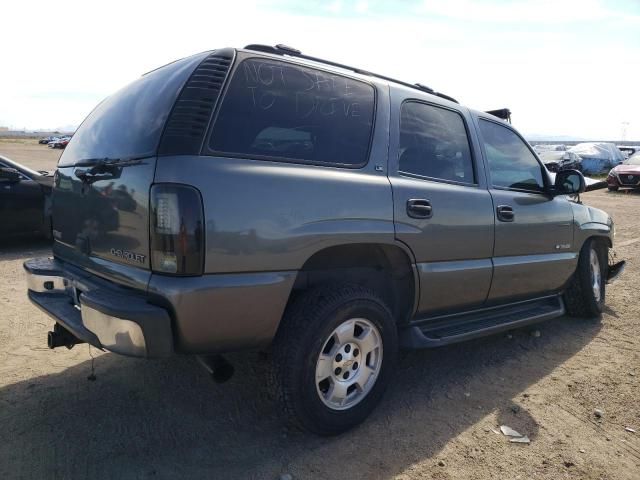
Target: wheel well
(600,240)
(385,269)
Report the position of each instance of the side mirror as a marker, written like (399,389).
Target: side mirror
(569,182)
(10,175)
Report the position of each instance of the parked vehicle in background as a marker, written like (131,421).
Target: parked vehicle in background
(543,147)
(626,175)
(46,140)
(25,200)
(627,151)
(260,197)
(557,160)
(61,142)
(597,157)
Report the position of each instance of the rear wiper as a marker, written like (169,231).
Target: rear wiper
(94,162)
(103,168)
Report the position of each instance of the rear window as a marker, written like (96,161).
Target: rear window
(276,110)
(129,123)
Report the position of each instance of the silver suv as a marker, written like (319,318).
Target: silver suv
(258,197)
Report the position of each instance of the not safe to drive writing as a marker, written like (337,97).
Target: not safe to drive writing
(314,92)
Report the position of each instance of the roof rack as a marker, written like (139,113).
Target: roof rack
(294,52)
(503,113)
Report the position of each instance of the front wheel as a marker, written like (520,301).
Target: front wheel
(333,357)
(584,296)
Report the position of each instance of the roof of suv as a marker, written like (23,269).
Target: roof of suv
(283,50)
(296,55)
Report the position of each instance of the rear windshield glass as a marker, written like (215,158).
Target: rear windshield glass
(276,110)
(129,123)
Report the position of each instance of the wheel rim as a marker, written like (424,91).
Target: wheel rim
(596,275)
(349,364)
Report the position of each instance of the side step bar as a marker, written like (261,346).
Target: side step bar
(448,329)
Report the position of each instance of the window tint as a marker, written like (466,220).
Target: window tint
(511,163)
(434,143)
(279,110)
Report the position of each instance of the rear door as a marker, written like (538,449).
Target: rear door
(533,252)
(442,209)
(103,217)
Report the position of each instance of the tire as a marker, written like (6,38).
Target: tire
(324,333)
(613,189)
(585,294)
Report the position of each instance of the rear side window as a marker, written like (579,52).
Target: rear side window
(276,110)
(511,163)
(434,144)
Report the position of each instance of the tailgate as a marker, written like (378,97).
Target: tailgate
(105,217)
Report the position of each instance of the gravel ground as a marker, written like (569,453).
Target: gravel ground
(167,419)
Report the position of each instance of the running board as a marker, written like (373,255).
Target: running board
(447,329)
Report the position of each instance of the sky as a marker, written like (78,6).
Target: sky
(563,67)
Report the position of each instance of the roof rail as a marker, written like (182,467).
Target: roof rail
(294,52)
(503,113)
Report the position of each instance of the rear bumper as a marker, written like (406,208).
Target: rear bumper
(98,312)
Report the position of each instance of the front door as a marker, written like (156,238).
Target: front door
(533,252)
(441,209)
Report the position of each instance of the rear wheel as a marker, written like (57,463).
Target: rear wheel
(333,357)
(585,295)
(612,189)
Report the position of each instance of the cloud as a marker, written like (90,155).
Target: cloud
(555,77)
(526,11)
(335,6)
(362,6)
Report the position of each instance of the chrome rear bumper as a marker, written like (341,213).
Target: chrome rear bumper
(99,312)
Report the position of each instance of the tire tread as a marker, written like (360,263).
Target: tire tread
(578,297)
(309,307)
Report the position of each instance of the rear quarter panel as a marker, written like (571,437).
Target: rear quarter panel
(263,221)
(273,216)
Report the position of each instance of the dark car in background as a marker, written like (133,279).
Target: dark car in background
(25,200)
(46,140)
(626,175)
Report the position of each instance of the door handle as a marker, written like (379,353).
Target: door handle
(419,208)
(505,213)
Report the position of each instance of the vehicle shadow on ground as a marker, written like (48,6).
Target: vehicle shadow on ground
(167,419)
(23,247)
(625,192)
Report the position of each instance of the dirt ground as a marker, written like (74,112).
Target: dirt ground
(30,153)
(167,419)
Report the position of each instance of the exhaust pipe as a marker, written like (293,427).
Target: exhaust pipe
(61,337)
(217,366)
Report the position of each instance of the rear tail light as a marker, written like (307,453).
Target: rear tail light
(177,230)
